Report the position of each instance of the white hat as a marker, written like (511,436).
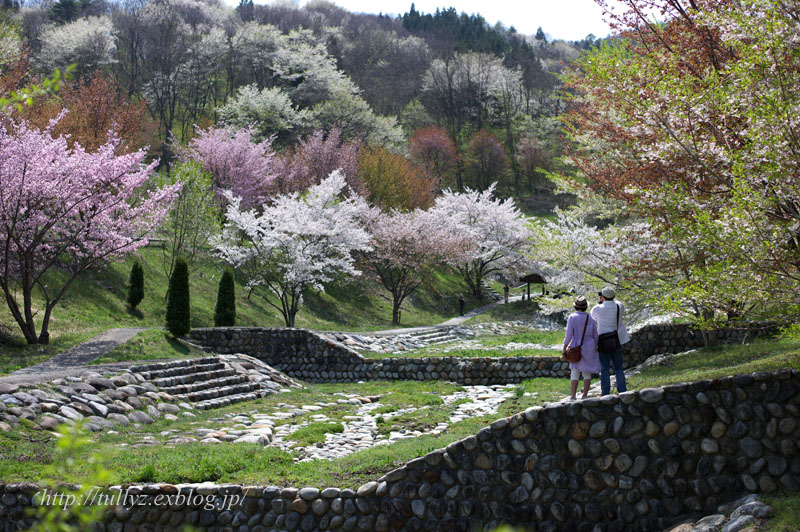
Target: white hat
(608,292)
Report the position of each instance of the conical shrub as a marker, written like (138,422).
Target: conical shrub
(225,311)
(136,285)
(178,313)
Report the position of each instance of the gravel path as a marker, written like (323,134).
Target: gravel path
(75,361)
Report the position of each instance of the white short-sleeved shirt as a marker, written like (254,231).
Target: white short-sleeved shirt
(605,314)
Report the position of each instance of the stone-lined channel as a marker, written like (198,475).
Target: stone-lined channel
(361,429)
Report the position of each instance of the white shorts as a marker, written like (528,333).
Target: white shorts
(587,375)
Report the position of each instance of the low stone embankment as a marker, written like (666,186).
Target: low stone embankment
(306,355)
(309,356)
(640,460)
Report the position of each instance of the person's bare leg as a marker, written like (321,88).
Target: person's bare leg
(574,386)
(586,384)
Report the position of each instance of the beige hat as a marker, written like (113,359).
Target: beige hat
(608,292)
(581,303)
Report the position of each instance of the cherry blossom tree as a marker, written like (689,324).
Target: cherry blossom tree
(297,241)
(314,158)
(69,209)
(238,164)
(406,247)
(496,233)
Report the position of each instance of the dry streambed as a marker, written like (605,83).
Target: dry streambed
(369,421)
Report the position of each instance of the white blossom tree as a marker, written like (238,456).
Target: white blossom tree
(269,112)
(496,233)
(89,42)
(297,241)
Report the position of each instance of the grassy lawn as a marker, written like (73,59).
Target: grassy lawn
(721,361)
(787,513)
(153,344)
(529,337)
(96,302)
(315,432)
(436,351)
(515,310)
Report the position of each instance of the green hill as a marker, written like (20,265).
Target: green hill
(96,302)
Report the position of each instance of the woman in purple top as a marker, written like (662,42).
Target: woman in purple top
(590,361)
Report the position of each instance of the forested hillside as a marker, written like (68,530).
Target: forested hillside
(454,100)
(301,146)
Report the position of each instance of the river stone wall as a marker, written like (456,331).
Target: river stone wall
(675,338)
(638,461)
(305,355)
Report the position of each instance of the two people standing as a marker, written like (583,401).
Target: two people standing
(600,335)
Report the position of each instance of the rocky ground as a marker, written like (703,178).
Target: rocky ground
(743,515)
(107,402)
(451,338)
(361,428)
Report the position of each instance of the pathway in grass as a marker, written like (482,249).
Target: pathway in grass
(75,360)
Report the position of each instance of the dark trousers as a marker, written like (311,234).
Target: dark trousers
(606,359)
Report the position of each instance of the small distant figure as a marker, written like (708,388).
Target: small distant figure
(461,304)
(505,294)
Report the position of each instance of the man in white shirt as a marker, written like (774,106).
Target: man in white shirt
(608,315)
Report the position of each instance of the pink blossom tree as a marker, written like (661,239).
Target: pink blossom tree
(406,247)
(238,164)
(314,158)
(66,208)
(495,233)
(297,241)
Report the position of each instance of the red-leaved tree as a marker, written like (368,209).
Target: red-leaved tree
(94,106)
(486,161)
(435,151)
(67,208)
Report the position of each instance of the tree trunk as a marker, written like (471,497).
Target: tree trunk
(395,312)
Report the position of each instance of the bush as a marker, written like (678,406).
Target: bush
(136,285)
(178,313)
(225,311)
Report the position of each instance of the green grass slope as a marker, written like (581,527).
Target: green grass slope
(96,302)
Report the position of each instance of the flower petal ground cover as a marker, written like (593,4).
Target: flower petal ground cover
(137,454)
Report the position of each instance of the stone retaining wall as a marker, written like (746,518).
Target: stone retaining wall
(305,355)
(636,461)
(675,338)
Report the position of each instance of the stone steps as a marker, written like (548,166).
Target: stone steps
(434,337)
(217,392)
(204,382)
(491,292)
(228,400)
(205,385)
(177,380)
(180,367)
